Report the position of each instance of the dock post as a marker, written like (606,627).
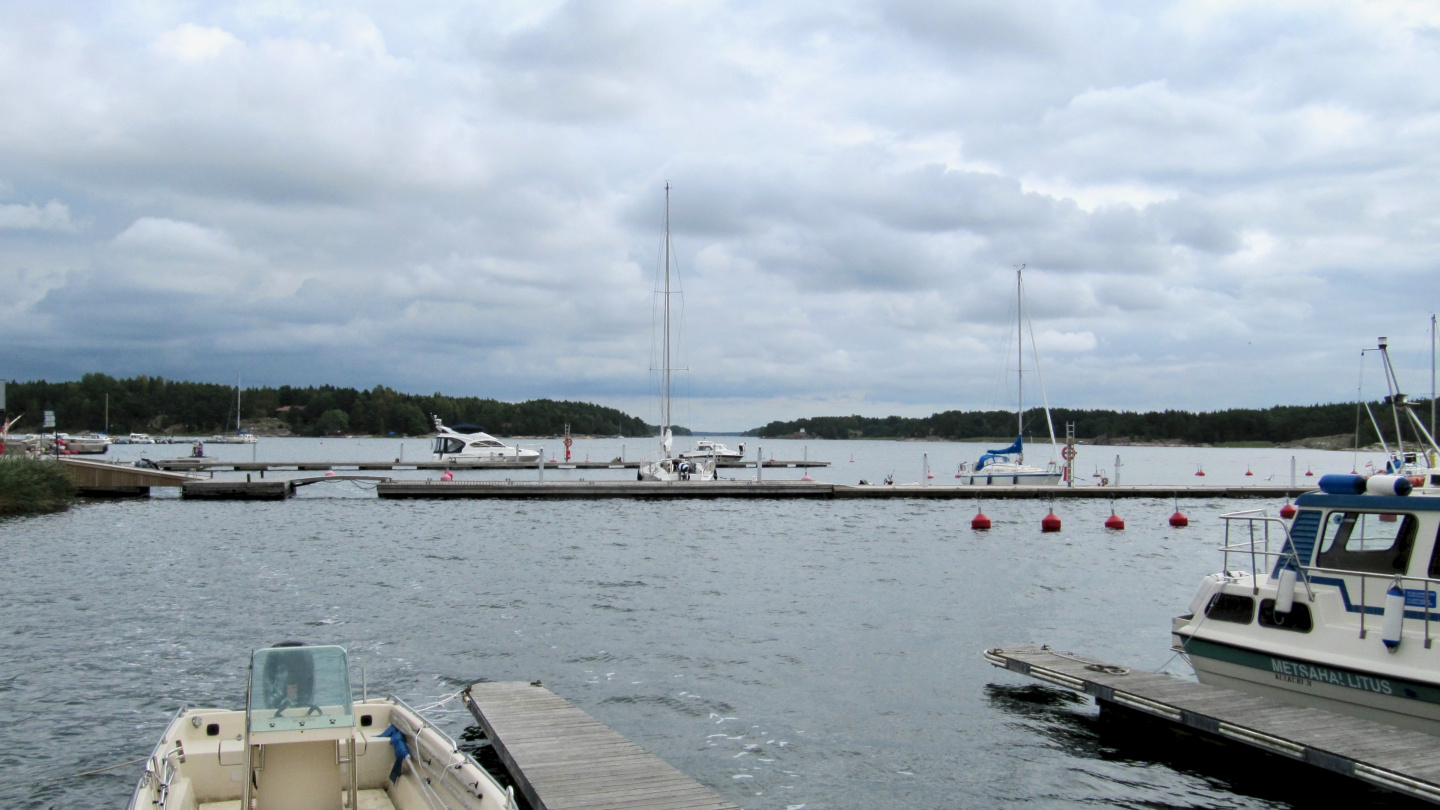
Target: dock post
(759,464)
(1117,469)
(1292,472)
(541,462)
(925,469)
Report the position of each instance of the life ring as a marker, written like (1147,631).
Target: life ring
(1068,452)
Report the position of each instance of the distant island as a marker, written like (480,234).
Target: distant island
(159,406)
(1331,426)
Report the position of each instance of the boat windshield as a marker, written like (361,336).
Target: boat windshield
(297,688)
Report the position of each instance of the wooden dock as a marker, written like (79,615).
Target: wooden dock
(189,464)
(1406,762)
(570,490)
(563,759)
(106,480)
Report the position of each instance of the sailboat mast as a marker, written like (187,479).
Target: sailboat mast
(1020,354)
(237,403)
(665,370)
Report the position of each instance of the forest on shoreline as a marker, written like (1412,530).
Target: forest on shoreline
(156,405)
(1280,424)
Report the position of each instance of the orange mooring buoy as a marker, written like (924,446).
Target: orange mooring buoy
(1114,521)
(979,521)
(1199,470)
(1178,519)
(1288,510)
(1050,523)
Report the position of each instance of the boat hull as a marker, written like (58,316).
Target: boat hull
(1368,695)
(1010,479)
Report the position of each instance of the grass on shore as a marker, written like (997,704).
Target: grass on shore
(29,486)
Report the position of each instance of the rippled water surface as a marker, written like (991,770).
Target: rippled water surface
(785,653)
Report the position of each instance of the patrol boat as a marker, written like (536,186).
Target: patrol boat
(302,742)
(1336,608)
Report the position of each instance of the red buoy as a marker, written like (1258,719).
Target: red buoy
(1114,521)
(980,521)
(1309,473)
(1050,523)
(1288,511)
(329,472)
(447,476)
(1247,471)
(1178,519)
(1199,470)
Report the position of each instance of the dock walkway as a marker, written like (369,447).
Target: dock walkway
(569,490)
(563,759)
(188,463)
(1396,759)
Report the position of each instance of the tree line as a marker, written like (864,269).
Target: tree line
(1277,425)
(154,405)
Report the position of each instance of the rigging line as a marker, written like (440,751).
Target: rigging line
(1040,379)
(1359,403)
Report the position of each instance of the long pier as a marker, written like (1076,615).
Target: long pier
(563,759)
(570,490)
(188,464)
(1403,761)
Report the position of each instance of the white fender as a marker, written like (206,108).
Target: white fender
(1285,591)
(1394,618)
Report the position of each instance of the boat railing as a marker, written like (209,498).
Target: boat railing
(1257,547)
(455,753)
(159,771)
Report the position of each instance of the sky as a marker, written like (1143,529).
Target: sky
(1218,204)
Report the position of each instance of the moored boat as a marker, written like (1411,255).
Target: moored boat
(302,741)
(468,443)
(705,448)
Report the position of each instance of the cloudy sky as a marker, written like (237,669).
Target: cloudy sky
(1219,203)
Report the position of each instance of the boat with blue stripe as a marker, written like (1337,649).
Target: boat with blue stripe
(1335,608)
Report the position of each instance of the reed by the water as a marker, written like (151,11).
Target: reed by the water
(29,486)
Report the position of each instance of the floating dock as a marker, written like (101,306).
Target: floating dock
(190,464)
(569,490)
(563,759)
(1403,761)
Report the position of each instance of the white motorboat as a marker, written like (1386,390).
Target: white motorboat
(1007,466)
(302,741)
(468,443)
(704,448)
(141,438)
(670,468)
(1335,609)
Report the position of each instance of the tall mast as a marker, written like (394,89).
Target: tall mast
(665,370)
(237,403)
(1432,374)
(1019,353)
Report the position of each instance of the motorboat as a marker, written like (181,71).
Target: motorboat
(671,468)
(94,444)
(704,448)
(1336,607)
(302,741)
(1006,466)
(141,438)
(468,443)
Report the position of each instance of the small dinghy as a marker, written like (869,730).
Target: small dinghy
(302,743)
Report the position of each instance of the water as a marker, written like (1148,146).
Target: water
(785,653)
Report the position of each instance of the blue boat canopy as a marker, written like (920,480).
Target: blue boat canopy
(1000,454)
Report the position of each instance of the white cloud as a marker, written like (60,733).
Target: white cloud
(52,216)
(193,43)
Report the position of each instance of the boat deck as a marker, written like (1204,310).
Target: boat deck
(563,759)
(1403,761)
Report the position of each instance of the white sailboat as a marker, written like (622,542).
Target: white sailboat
(1006,466)
(670,467)
(241,435)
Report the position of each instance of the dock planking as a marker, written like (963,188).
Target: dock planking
(1396,759)
(563,759)
(731,488)
(189,463)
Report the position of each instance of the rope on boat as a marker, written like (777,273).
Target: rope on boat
(53,775)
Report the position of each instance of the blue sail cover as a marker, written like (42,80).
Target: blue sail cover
(994,454)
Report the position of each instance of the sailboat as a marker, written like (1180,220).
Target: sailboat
(241,435)
(671,467)
(1006,466)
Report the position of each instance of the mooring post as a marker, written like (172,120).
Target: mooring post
(759,464)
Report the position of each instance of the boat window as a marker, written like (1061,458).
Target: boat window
(1298,619)
(489,443)
(446,444)
(294,688)
(1366,541)
(1228,607)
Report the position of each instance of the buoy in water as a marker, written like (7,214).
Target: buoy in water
(1247,470)
(329,472)
(447,476)
(1308,473)
(1288,510)
(1050,523)
(1114,521)
(806,477)
(1178,519)
(980,521)
(1199,470)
